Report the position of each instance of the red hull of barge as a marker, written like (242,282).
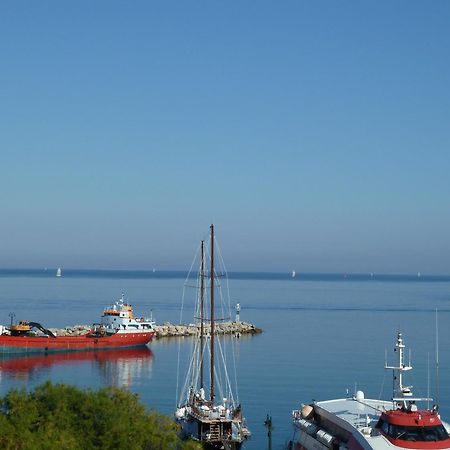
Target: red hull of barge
(32,344)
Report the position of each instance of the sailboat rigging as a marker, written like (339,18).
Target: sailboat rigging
(217,425)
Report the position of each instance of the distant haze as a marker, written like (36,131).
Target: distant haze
(315,135)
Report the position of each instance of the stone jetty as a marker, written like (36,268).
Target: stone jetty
(192,329)
(167,329)
(75,330)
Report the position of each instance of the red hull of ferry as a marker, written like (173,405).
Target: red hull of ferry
(28,344)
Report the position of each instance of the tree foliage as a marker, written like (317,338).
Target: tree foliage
(67,418)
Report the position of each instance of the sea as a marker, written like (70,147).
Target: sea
(324,336)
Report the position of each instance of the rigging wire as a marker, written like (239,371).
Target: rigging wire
(181,319)
(233,350)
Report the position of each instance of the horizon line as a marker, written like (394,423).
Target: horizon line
(298,275)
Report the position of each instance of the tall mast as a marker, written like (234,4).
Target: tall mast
(212,314)
(400,390)
(202,294)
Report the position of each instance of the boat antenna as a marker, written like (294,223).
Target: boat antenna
(397,371)
(428,380)
(212,315)
(202,292)
(437,359)
(269,426)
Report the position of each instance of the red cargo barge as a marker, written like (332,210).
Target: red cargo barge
(118,329)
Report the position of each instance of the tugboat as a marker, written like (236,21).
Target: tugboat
(216,424)
(118,328)
(357,423)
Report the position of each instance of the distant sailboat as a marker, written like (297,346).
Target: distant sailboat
(58,272)
(293,274)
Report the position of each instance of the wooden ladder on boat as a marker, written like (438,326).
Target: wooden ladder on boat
(214,432)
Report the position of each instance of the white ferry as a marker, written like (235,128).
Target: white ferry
(357,423)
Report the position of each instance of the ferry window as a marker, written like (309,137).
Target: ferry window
(435,433)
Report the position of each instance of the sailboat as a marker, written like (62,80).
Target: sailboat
(217,424)
(58,272)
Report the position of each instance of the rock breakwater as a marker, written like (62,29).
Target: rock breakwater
(232,328)
(173,330)
(75,330)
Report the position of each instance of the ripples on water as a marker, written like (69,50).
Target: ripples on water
(322,335)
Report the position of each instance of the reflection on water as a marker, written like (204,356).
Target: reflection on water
(117,367)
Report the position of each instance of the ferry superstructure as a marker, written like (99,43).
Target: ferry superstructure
(356,423)
(119,318)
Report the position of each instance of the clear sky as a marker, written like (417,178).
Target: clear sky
(314,134)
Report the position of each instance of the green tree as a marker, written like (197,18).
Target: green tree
(64,417)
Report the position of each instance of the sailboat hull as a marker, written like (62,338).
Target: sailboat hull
(213,434)
(223,446)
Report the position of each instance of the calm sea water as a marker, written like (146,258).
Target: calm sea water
(323,334)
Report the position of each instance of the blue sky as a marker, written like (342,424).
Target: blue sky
(314,134)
